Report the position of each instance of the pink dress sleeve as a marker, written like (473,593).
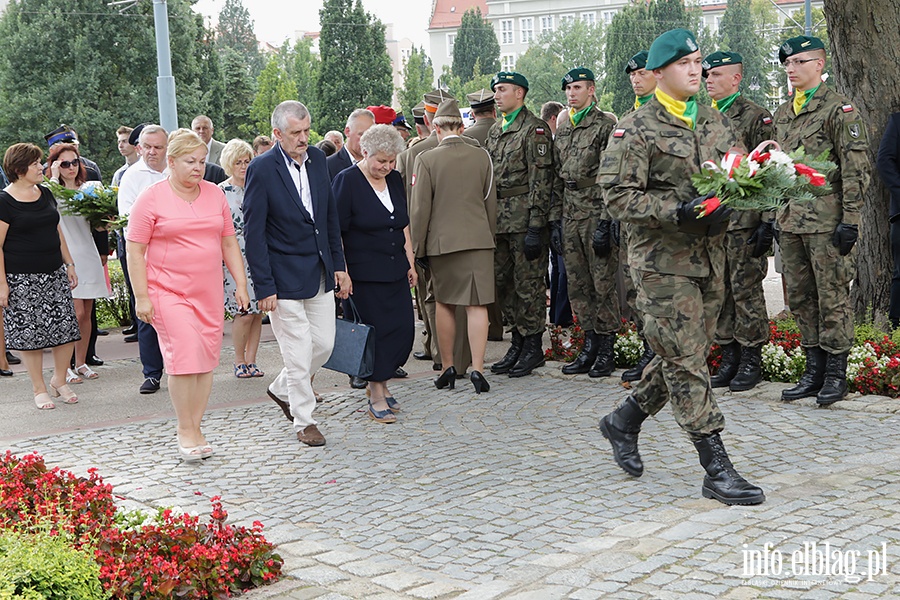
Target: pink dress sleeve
(142,219)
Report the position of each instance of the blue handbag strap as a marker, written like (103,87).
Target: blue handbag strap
(356,318)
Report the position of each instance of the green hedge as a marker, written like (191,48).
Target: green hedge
(40,566)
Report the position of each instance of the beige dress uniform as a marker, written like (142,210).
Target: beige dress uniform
(453,218)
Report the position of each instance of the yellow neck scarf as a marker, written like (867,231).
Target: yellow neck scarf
(683,111)
(802,98)
(576,117)
(508,118)
(639,101)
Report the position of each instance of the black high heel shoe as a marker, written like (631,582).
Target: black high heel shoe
(448,377)
(479,382)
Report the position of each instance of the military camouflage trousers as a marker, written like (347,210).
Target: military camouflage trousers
(628,290)
(743,317)
(679,322)
(818,287)
(591,279)
(521,283)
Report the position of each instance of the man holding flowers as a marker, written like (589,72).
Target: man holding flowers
(816,237)
(743,325)
(677,257)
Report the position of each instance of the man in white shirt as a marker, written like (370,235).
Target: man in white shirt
(144,173)
(203,126)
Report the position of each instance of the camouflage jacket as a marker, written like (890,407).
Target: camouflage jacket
(523,169)
(646,173)
(576,152)
(752,125)
(828,122)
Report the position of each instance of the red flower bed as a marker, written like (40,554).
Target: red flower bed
(178,556)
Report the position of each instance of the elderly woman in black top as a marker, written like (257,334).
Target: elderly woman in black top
(36,275)
(371,205)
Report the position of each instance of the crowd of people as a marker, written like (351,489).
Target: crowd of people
(471,217)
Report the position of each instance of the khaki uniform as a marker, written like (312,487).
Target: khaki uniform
(523,171)
(818,277)
(462,356)
(744,318)
(479,130)
(592,279)
(645,172)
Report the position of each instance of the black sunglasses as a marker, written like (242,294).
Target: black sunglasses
(66,164)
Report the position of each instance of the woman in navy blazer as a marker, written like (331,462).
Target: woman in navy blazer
(371,207)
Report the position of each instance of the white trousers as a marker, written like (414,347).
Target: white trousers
(305,333)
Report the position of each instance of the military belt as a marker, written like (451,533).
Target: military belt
(580,184)
(513,191)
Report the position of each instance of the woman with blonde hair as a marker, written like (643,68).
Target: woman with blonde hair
(179,232)
(246,327)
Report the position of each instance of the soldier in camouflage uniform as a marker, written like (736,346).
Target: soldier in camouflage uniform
(816,237)
(678,260)
(743,326)
(522,152)
(590,261)
(644,84)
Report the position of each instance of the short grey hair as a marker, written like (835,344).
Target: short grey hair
(287,109)
(150,130)
(360,112)
(448,123)
(233,151)
(382,138)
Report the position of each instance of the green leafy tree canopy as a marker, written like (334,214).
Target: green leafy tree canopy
(418,79)
(476,44)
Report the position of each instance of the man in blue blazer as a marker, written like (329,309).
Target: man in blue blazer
(889,168)
(293,248)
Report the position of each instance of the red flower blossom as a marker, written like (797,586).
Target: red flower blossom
(708,207)
(815,178)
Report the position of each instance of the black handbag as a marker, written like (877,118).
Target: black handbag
(354,346)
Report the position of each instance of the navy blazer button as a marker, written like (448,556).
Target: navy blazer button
(392,258)
(317,232)
(320,253)
(392,217)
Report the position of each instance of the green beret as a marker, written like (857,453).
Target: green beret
(636,62)
(721,59)
(509,77)
(796,45)
(669,47)
(577,74)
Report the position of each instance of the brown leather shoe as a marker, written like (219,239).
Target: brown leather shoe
(284,406)
(311,436)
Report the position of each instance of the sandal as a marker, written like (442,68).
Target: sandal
(86,372)
(193,454)
(43,401)
(255,371)
(73,377)
(241,371)
(64,391)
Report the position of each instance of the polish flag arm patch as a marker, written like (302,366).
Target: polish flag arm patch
(412,181)
(847,108)
(767,120)
(619,133)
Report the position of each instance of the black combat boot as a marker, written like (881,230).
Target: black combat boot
(532,357)
(812,379)
(722,482)
(750,370)
(584,360)
(512,355)
(731,359)
(835,386)
(637,371)
(605,363)
(621,427)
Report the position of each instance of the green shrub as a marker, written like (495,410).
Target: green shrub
(114,311)
(868,332)
(41,566)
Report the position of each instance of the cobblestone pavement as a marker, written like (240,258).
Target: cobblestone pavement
(514,494)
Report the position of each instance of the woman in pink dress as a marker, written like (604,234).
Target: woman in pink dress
(179,232)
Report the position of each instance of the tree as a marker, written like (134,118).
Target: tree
(274,86)
(235,31)
(240,91)
(356,69)
(212,82)
(304,66)
(99,71)
(872,80)
(737,33)
(418,79)
(573,44)
(476,43)
(459,89)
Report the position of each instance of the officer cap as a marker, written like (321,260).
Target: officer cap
(509,77)
(636,62)
(400,121)
(435,97)
(721,59)
(480,99)
(63,133)
(135,136)
(796,45)
(448,108)
(577,74)
(384,115)
(418,113)
(669,47)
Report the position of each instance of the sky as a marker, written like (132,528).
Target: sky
(276,20)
